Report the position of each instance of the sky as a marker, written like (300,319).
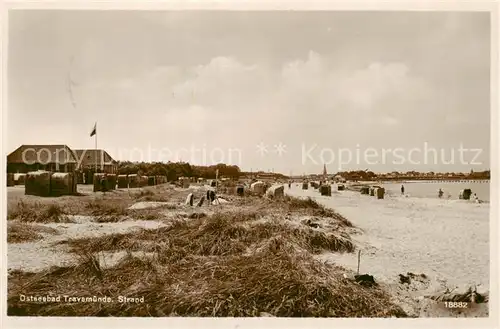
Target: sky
(275,91)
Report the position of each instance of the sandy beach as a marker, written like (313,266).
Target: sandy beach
(447,240)
(73,239)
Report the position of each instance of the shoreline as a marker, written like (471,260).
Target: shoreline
(428,190)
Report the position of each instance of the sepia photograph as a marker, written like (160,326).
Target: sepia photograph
(249,163)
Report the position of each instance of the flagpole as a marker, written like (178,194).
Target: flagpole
(95,147)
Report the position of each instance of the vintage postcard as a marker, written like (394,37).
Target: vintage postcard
(192,162)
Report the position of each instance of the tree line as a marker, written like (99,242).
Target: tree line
(174,170)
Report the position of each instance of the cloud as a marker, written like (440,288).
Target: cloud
(222,83)
(366,87)
(228,103)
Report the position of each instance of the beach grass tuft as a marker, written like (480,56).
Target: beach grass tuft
(157,195)
(18,232)
(317,209)
(37,212)
(106,211)
(219,234)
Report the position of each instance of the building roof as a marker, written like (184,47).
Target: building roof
(92,156)
(30,154)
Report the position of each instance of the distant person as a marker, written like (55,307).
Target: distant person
(402,189)
(476,199)
(440,193)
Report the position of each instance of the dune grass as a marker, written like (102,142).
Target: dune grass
(108,208)
(157,195)
(217,235)
(37,213)
(245,259)
(276,282)
(315,209)
(18,232)
(105,211)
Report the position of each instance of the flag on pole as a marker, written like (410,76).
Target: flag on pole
(94,131)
